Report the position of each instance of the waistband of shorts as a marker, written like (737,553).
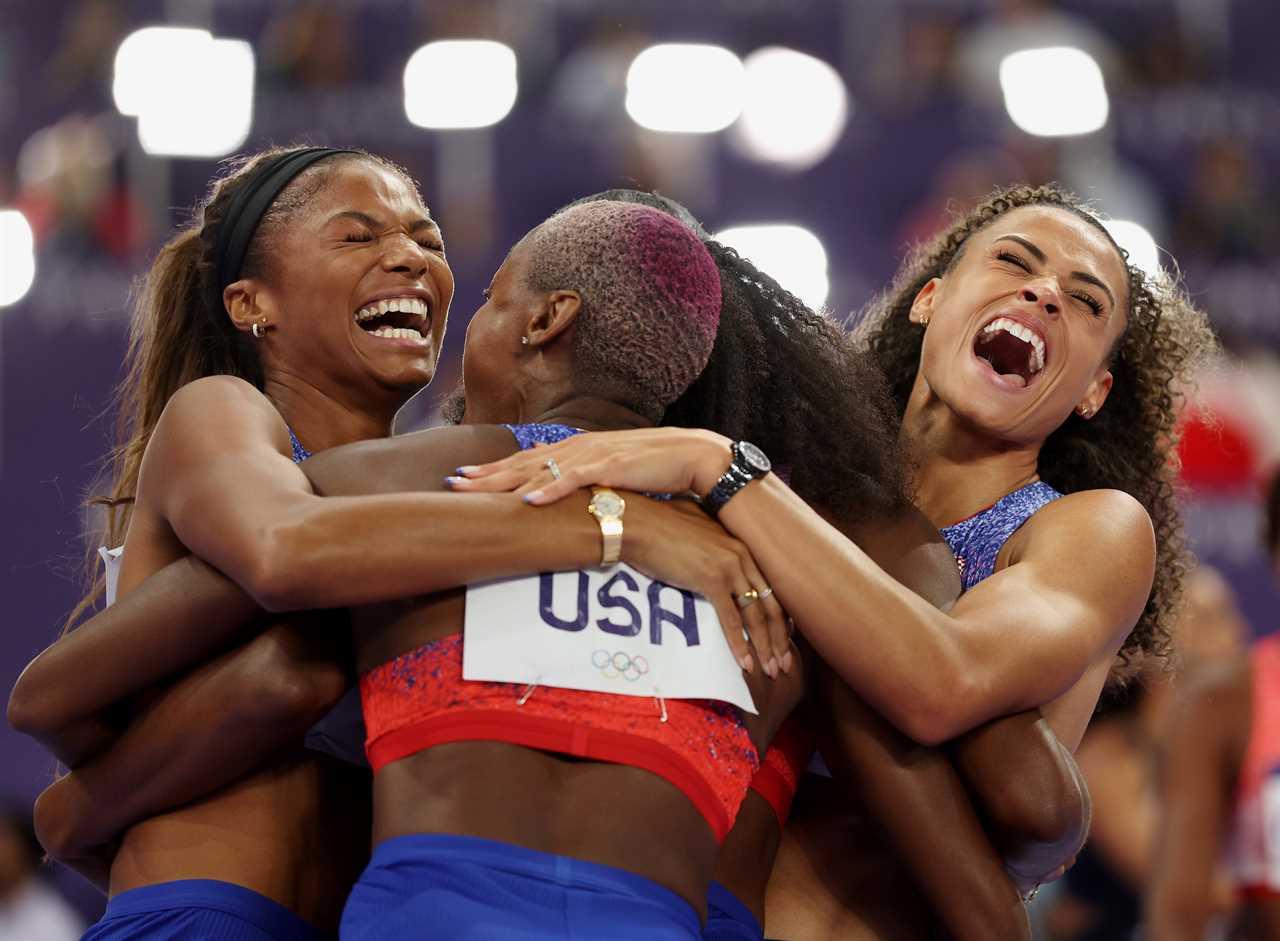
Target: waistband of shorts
(534,864)
(251,906)
(718,897)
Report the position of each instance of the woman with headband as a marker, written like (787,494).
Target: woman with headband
(308,325)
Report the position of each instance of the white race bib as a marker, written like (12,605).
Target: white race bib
(605,631)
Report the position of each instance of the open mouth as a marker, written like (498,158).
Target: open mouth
(1014,352)
(397,318)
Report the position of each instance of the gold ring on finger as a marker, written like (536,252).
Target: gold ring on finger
(748,598)
(764,593)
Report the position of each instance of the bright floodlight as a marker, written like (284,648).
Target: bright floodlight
(192,93)
(796,107)
(792,255)
(1054,92)
(17,256)
(1138,242)
(686,87)
(460,83)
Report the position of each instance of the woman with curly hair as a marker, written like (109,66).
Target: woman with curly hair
(1002,340)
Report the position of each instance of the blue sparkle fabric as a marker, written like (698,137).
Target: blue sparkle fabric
(977,541)
(300,453)
(549,433)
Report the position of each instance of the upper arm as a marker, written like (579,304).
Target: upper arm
(1078,584)
(220,452)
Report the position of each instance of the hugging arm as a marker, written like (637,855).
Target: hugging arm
(200,733)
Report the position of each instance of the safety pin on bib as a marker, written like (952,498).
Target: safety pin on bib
(662,703)
(528,691)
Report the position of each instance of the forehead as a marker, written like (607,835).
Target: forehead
(367,187)
(1066,239)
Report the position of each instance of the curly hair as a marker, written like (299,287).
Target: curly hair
(789,379)
(1130,444)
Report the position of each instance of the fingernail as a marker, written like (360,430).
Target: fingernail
(786,662)
(771,668)
(466,469)
(532,496)
(450,481)
(745,662)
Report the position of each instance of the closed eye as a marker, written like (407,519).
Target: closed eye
(1093,303)
(1014,260)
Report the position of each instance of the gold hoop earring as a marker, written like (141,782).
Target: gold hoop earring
(259,328)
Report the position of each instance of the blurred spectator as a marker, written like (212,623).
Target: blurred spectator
(1219,791)
(80,70)
(1222,215)
(309,48)
(30,910)
(1101,895)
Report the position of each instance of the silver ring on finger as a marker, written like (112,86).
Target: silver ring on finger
(764,593)
(552,466)
(748,598)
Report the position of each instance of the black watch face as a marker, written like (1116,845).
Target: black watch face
(756,458)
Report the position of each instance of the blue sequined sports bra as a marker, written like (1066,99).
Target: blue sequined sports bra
(977,541)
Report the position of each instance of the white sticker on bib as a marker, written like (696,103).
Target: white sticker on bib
(605,631)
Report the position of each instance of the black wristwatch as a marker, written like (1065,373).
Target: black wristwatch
(749,463)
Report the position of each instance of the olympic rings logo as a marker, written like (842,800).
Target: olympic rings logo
(619,664)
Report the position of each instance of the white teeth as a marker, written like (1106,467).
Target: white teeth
(404,305)
(398,333)
(1025,335)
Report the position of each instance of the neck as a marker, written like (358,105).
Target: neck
(592,414)
(322,420)
(958,469)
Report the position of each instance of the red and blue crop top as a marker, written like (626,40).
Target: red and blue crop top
(419,700)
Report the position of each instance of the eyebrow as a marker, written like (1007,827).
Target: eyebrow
(1042,258)
(418,225)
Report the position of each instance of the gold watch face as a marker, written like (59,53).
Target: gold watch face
(607,503)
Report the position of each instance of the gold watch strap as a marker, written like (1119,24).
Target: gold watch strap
(610,523)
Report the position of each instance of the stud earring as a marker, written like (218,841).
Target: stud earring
(1085,412)
(524,341)
(259,328)
(924,321)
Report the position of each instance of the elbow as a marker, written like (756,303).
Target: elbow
(30,710)
(274,570)
(1049,808)
(937,711)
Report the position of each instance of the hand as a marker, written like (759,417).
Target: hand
(679,544)
(653,460)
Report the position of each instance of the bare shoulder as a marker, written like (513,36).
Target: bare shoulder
(416,461)
(1110,525)
(219,407)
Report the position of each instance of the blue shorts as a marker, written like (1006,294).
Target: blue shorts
(728,919)
(199,910)
(460,888)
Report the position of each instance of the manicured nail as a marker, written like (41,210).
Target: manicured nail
(451,481)
(786,662)
(467,469)
(771,668)
(533,496)
(745,662)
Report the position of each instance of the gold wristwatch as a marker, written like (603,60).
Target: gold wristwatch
(607,507)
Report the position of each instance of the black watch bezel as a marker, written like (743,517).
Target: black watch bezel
(748,463)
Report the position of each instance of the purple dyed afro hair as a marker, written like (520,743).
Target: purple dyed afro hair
(650,299)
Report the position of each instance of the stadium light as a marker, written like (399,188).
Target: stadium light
(685,87)
(1138,242)
(795,109)
(459,83)
(17,257)
(1054,92)
(790,254)
(192,93)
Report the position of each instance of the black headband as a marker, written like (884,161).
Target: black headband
(251,203)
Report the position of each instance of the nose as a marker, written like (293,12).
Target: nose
(406,256)
(1044,292)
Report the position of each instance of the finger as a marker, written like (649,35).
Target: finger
(755,623)
(571,480)
(774,644)
(726,609)
(497,482)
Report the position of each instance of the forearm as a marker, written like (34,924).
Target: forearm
(181,615)
(919,798)
(208,729)
(848,606)
(348,551)
(1030,792)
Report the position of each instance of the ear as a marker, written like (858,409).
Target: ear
(556,315)
(243,306)
(1095,395)
(926,297)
